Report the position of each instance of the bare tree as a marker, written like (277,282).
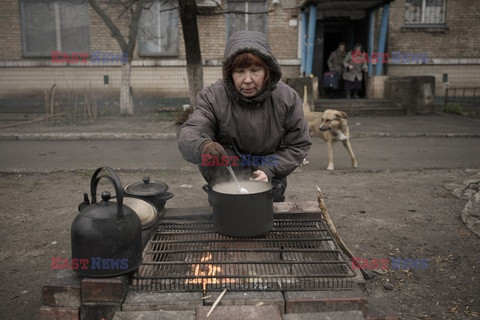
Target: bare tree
(133,10)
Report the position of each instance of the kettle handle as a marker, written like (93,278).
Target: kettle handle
(117,184)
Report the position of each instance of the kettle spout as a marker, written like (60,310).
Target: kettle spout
(85,202)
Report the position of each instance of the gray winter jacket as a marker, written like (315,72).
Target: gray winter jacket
(270,123)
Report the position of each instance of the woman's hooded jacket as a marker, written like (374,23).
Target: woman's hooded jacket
(271,123)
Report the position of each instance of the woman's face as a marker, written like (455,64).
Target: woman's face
(248,81)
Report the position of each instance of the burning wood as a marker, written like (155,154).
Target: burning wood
(207,270)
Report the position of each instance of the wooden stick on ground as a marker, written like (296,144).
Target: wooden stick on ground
(333,231)
(216,302)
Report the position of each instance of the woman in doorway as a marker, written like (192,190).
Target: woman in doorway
(353,73)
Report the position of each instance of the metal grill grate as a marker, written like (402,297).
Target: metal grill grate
(191,256)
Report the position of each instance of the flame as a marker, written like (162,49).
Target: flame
(203,270)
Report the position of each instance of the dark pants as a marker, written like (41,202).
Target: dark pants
(217,174)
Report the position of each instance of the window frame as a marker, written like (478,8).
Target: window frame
(228,31)
(160,54)
(58,31)
(424,24)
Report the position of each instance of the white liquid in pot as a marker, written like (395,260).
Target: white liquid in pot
(252,186)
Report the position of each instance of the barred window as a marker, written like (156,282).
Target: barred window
(158,29)
(425,11)
(247,17)
(54,25)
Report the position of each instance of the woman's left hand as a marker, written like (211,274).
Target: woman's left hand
(259,175)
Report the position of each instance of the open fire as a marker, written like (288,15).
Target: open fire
(205,273)
(188,255)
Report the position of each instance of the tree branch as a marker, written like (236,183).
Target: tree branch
(115,32)
(133,29)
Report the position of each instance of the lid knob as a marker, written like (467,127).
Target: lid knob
(106,195)
(146,180)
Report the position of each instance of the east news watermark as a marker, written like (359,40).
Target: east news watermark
(96,57)
(95,263)
(395,57)
(386,264)
(245,160)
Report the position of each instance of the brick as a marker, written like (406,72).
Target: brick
(325,301)
(58,313)
(280,207)
(137,301)
(339,315)
(99,311)
(154,315)
(104,289)
(62,290)
(239,313)
(380,309)
(249,298)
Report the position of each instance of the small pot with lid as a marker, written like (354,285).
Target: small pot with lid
(152,191)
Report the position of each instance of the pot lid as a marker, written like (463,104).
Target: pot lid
(146,188)
(105,209)
(145,211)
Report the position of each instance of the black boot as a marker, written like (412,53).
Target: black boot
(355,94)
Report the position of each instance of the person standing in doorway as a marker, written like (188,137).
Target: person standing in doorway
(353,73)
(335,63)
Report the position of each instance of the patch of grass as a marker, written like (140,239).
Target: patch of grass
(462,110)
(37,183)
(166,115)
(454,108)
(83,172)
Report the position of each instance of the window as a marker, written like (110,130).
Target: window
(158,29)
(241,21)
(425,11)
(49,25)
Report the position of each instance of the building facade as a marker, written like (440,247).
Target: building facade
(40,38)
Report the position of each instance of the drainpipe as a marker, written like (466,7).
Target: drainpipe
(303,39)
(312,21)
(382,38)
(371,36)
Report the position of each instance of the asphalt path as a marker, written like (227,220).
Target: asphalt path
(372,154)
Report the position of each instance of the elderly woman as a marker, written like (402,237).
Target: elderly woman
(249,119)
(353,72)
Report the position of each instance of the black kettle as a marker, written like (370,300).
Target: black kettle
(106,237)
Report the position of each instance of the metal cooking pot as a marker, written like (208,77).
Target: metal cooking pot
(151,191)
(242,215)
(107,235)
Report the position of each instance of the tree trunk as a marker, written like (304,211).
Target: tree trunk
(126,94)
(188,16)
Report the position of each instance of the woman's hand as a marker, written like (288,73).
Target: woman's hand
(259,175)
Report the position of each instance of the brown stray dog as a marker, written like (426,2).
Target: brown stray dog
(332,126)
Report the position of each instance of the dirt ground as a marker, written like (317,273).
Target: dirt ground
(408,214)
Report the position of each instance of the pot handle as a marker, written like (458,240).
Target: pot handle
(117,184)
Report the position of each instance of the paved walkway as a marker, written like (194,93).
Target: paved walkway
(144,126)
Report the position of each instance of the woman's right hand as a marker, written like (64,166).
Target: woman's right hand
(212,148)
